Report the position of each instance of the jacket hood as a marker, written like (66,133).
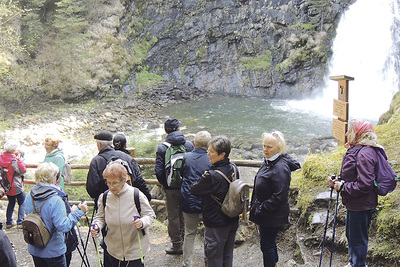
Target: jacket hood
(176,138)
(291,162)
(39,192)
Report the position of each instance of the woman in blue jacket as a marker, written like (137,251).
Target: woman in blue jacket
(270,201)
(194,164)
(53,214)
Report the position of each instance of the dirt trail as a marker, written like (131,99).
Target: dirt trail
(245,254)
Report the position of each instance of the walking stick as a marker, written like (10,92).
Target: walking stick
(87,237)
(96,247)
(80,253)
(334,223)
(140,244)
(326,222)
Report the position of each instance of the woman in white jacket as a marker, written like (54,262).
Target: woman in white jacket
(120,214)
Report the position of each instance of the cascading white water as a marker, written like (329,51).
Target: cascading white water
(364,48)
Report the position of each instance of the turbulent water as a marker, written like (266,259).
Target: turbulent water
(246,118)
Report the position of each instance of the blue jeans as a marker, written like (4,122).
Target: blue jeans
(268,245)
(49,262)
(357,225)
(20,198)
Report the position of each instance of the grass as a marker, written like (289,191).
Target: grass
(262,62)
(385,229)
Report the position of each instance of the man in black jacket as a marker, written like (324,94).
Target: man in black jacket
(95,184)
(176,225)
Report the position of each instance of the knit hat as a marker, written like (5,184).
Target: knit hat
(171,125)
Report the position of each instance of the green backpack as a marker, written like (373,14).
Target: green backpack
(173,163)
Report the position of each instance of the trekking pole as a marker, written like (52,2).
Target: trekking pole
(326,223)
(334,223)
(96,247)
(87,237)
(80,253)
(135,216)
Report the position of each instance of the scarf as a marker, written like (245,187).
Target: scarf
(362,133)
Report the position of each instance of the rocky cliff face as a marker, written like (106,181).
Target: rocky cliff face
(273,49)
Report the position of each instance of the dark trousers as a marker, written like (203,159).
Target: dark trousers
(357,225)
(218,245)
(118,263)
(20,198)
(268,245)
(50,262)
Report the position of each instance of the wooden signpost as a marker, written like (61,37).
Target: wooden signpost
(341,108)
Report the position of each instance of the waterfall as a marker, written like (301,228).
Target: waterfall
(365,48)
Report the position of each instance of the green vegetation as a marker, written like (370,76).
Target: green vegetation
(386,225)
(146,79)
(318,10)
(262,62)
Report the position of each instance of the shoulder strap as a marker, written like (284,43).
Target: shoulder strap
(135,196)
(166,144)
(223,175)
(54,159)
(226,178)
(137,202)
(34,208)
(105,199)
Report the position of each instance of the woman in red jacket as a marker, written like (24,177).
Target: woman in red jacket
(11,160)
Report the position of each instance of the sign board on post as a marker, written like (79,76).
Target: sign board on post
(341,108)
(339,129)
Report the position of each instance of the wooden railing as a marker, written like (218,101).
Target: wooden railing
(140,161)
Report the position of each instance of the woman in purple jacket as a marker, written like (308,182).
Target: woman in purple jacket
(357,175)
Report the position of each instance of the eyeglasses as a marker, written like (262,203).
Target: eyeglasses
(113,184)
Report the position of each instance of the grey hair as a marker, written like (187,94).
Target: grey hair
(11,146)
(202,139)
(46,172)
(221,144)
(105,143)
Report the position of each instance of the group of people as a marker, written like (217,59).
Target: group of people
(202,184)
(124,212)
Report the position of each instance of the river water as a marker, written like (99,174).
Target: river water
(249,118)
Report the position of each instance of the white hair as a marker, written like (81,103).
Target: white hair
(11,146)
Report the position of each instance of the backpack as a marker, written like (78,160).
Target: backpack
(67,173)
(386,179)
(4,181)
(236,197)
(34,229)
(67,170)
(116,159)
(173,164)
(137,204)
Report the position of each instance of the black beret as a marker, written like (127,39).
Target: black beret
(104,136)
(171,124)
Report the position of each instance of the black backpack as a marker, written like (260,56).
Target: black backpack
(4,181)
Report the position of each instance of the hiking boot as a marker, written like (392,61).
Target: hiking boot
(175,250)
(19,226)
(9,226)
